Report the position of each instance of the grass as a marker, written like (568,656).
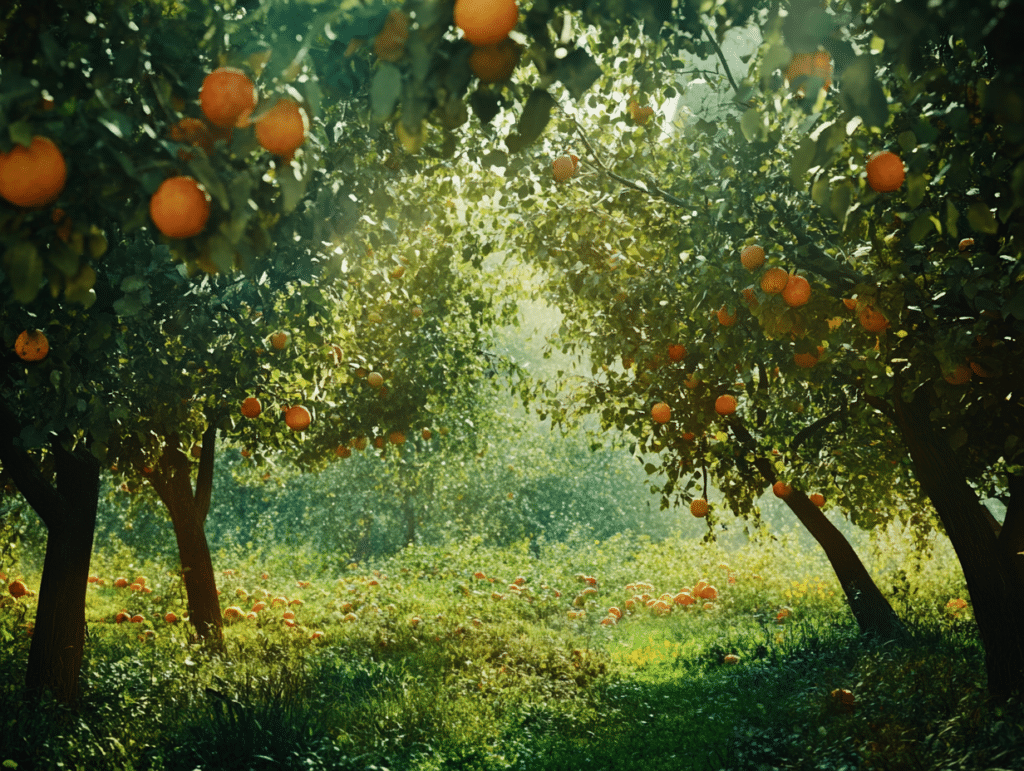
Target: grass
(485,684)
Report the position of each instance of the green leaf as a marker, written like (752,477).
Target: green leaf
(24,270)
(952,215)
(533,121)
(116,123)
(1015,306)
(921,227)
(578,71)
(384,91)
(751,125)
(802,159)
(916,187)
(981,218)
(862,95)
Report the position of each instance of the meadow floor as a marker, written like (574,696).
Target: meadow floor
(418,663)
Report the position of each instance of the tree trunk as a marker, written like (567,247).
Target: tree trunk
(67,506)
(58,637)
(995,577)
(869,606)
(172,480)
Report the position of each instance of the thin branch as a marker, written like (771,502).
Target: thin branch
(721,56)
(33,485)
(809,430)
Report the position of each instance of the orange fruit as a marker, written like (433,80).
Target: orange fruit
(640,115)
(563,168)
(724,318)
(873,321)
(751,297)
(396,437)
(180,207)
(849,303)
(31,345)
(797,291)
(283,128)
(781,490)
(279,340)
(297,418)
(699,507)
(885,172)
(801,66)
(486,22)
(251,407)
(342,451)
(32,176)
(692,381)
(752,257)
(375,379)
(959,376)
(227,97)
(192,131)
(774,280)
(676,352)
(661,413)
(17,589)
(495,63)
(817,499)
(731,658)
(978,370)
(965,244)
(389,44)
(63,223)
(725,404)
(426,434)
(805,360)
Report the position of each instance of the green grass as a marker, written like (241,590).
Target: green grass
(484,684)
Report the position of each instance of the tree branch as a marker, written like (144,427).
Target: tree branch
(30,481)
(204,479)
(721,56)
(807,431)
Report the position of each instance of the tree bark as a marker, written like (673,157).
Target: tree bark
(869,606)
(58,637)
(188,508)
(995,576)
(67,506)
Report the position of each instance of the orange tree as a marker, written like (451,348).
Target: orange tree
(898,374)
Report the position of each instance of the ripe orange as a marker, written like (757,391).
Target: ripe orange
(801,66)
(396,437)
(31,345)
(979,370)
(138,618)
(731,658)
(297,418)
(63,223)
(180,207)
(676,352)
(751,297)
(724,318)
(640,115)
(563,168)
(959,376)
(781,490)
(752,257)
(170,618)
(661,413)
(495,63)
(342,451)
(389,44)
(486,22)
(426,434)
(32,176)
(17,589)
(965,244)
(873,321)
(797,291)
(774,280)
(699,507)
(375,379)
(192,131)
(692,381)
(805,360)
(725,404)
(885,172)
(279,340)
(283,128)
(817,499)
(227,97)
(251,407)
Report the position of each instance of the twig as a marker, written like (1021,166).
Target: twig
(721,56)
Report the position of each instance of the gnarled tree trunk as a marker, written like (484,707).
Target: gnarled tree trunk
(869,606)
(172,481)
(67,507)
(993,569)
